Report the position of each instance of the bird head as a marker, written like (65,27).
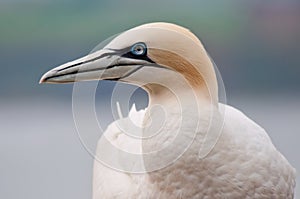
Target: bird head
(144,55)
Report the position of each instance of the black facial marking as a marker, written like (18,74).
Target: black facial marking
(126,52)
(140,57)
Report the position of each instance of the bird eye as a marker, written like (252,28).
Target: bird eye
(138,49)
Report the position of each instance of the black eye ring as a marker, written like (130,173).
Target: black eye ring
(139,49)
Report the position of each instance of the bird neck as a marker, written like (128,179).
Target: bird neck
(178,95)
(175,124)
(171,121)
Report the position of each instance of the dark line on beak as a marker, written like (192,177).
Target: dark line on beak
(136,69)
(87,61)
(111,66)
(131,72)
(91,70)
(125,52)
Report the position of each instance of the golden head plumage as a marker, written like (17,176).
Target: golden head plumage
(166,45)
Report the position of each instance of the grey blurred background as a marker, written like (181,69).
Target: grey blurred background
(255,45)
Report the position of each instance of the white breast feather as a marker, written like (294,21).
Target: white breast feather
(243,164)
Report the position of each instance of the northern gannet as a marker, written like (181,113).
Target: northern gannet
(188,145)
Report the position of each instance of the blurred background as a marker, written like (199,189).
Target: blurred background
(255,45)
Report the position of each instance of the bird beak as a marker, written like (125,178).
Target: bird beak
(105,64)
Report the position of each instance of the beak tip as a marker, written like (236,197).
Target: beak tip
(43,79)
(46,78)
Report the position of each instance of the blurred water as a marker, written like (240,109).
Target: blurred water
(42,157)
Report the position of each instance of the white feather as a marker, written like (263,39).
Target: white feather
(243,164)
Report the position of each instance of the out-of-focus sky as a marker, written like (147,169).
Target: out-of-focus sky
(255,44)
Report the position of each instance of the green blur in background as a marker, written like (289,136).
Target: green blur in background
(255,45)
(255,41)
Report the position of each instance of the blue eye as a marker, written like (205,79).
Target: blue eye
(139,49)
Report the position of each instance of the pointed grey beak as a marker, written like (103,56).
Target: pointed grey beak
(104,64)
